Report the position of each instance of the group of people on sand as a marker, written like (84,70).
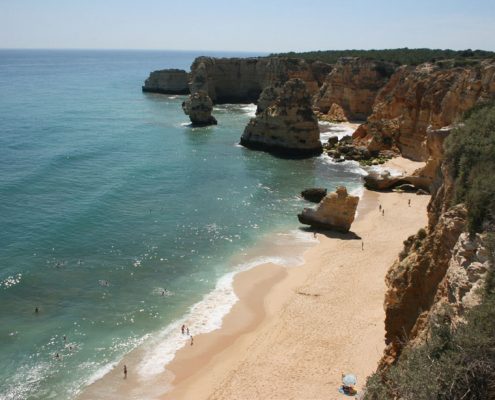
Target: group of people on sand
(185,331)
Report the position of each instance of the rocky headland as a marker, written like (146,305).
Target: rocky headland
(167,81)
(288,127)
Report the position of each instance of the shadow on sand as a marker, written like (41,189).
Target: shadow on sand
(333,234)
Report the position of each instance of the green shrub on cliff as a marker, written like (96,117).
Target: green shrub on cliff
(399,56)
(470,152)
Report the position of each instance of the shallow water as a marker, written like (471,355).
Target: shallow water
(117,218)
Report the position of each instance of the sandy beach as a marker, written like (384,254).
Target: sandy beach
(295,330)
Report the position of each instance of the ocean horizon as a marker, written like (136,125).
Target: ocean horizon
(120,221)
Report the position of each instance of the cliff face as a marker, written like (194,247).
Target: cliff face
(440,266)
(241,80)
(353,84)
(287,126)
(167,81)
(418,97)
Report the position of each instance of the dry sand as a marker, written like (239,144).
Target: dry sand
(295,330)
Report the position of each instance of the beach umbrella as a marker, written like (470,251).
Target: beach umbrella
(349,380)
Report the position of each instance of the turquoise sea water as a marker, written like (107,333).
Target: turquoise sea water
(116,217)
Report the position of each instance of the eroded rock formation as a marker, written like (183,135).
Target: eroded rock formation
(199,107)
(335,212)
(288,127)
(416,98)
(241,80)
(353,84)
(167,81)
(335,114)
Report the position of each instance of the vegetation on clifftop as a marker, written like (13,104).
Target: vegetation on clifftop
(399,56)
(470,152)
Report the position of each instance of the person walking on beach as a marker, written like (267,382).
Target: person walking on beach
(379,207)
(383,212)
(362,245)
(192,340)
(183,328)
(125,371)
(409,202)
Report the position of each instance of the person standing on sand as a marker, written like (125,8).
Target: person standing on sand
(379,207)
(192,340)
(362,245)
(383,211)
(409,202)
(125,371)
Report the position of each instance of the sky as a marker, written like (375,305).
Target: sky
(256,25)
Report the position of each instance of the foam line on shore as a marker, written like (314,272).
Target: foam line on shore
(207,315)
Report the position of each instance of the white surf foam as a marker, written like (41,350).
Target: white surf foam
(350,166)
(379,169)
(334,130)
(203,317)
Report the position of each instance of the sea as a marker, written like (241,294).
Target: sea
(119,221)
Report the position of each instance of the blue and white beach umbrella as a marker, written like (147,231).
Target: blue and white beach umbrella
(349,380)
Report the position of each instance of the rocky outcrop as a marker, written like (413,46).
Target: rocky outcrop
(353,84)
(416,98)
(241,80)
(383,180)
(314,195)
(167,81)
(335,114)
(335,212)
(427,178)
(288,127)
(199,107)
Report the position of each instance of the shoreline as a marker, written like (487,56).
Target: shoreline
(307,320)
(220,364)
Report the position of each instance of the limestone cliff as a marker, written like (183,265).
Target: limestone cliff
(287,127)
(416,98)
(440,265)
(353,84)
(167,81)
(241,80)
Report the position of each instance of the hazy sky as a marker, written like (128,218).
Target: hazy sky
(256,25)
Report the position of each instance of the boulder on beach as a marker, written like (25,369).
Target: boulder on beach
(336,211)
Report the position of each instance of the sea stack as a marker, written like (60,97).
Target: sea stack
(199,107)
(287,127)
(335,212)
